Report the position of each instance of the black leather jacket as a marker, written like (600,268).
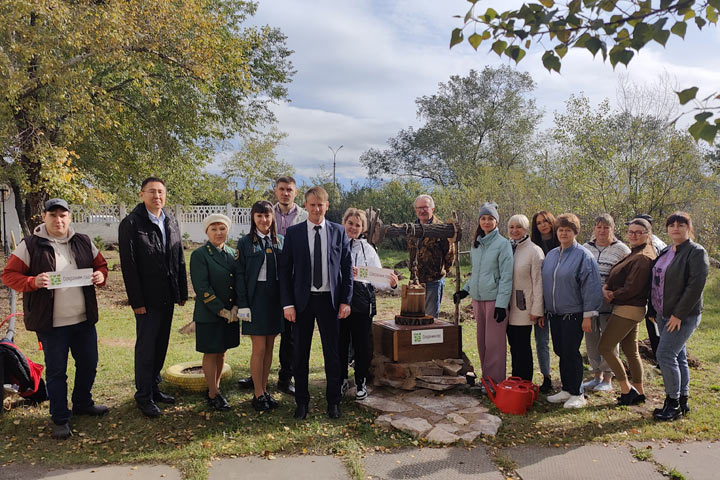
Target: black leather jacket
(154,275)
(684,281)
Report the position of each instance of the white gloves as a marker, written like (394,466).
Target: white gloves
(244,315)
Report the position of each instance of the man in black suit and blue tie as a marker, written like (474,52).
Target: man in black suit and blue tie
(315,273)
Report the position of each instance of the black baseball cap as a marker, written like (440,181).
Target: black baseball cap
(644,216)
(56,203)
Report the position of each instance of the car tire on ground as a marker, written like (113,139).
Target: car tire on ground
(189,376)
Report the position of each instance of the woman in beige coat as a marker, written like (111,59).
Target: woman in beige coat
(526,302)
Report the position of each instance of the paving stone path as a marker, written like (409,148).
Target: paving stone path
(694,460)
(442,418)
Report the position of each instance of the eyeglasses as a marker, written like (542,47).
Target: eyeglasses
(155,192)
(635,233)
(423,208)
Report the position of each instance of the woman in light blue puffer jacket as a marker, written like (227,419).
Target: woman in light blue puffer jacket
(490,286)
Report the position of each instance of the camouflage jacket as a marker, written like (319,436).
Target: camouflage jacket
(435,257)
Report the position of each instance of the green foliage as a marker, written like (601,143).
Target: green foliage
(620,163)
(617,30)
(255,167)
(99,243)
(485,119)
(210,189)
(107,93)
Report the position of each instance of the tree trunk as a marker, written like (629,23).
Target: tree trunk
(19,207)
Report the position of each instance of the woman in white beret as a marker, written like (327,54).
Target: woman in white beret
(212,271)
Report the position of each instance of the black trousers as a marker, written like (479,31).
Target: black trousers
(285,373)
(320,309)
(356,327)
(521,351)
(567,336)
(153,334)
(654,338)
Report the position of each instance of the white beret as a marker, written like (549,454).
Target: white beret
(216,218)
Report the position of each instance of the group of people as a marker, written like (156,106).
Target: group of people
(543,279)
(295,268)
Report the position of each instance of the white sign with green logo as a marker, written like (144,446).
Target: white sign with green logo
(70,278)
(426,337)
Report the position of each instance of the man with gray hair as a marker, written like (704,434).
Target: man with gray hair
(434,256)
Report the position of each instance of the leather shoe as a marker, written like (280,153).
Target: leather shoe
(246,382)
(333,411)
(260,403)
(271,400)
(61,432)
(149,409)
(219,403)
(286,387)
(301,411)
(93,410)
(160,397)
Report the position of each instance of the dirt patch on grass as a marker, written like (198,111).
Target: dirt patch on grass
(117,342)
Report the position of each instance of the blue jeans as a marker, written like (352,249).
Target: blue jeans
(672,356)
(433,297)
(542,347)
(81,341)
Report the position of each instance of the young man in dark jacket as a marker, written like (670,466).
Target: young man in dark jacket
(153,267)
(63,318)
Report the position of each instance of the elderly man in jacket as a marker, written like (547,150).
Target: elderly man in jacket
(153,267)
(434,256)
(63,318)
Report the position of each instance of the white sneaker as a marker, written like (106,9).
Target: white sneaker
(575,401)
(361,393)
(344,387)
(592,383)
(559,397)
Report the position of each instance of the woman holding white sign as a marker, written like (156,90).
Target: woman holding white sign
(358,325)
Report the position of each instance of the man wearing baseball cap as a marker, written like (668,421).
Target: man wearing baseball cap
(63,318)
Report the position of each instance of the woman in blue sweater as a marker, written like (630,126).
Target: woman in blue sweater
(490,286)
(572,293)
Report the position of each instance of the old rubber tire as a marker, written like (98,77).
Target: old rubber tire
(194,381)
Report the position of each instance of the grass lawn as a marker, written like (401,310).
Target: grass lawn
(189,435)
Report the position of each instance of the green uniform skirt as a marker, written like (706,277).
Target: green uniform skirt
(216,337)
(267,312)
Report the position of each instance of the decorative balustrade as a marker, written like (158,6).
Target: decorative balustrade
(102,220)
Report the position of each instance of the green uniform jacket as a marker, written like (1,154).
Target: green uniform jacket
(248,261)
(213,278)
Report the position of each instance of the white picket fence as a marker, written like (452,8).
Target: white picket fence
(103,220)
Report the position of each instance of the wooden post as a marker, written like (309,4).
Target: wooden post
(457,268)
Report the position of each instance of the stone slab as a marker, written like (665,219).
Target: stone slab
(695,460)
(587,462)
(105,472)
(432,464)
(306,467)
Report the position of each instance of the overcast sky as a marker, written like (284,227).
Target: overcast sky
(362,63)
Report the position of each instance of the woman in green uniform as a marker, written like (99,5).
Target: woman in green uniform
(216,326)
(257,290)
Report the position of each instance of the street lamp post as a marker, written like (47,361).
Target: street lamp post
(334,152)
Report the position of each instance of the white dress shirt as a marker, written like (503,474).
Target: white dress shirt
(323,245)
(262,274)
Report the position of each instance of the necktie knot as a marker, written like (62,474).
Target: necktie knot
(317,227)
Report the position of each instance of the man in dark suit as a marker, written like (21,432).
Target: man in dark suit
(315,272)
(153,268)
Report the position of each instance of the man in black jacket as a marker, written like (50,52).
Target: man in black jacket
(153,267)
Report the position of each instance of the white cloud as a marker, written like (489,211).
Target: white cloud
(361,64)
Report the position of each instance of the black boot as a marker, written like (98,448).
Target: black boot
(684,404)
(670,411)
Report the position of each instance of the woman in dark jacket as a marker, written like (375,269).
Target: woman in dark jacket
(258,295)
(542,234)
(216,327)
(626,289)
(678,279)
